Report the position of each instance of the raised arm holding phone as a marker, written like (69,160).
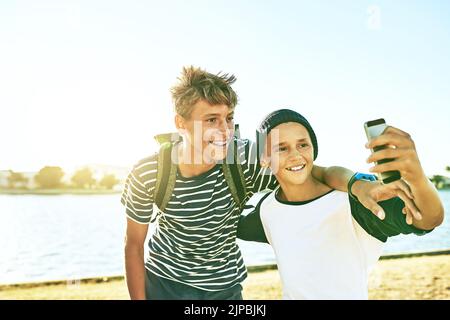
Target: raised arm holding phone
(404,159)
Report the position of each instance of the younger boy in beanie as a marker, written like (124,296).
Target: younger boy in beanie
(325,241)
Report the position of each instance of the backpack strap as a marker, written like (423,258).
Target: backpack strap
(167,137)
(234,175)
(165,176)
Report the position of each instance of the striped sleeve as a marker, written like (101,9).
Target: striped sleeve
(257,178)
(137,195)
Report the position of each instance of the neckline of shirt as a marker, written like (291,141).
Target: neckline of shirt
(298,203)
(198,177)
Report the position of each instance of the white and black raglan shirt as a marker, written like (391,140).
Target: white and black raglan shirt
(194,241)
(324,247)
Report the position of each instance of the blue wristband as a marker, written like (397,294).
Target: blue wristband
(359,176)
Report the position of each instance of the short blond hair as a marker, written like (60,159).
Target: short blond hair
(195,84)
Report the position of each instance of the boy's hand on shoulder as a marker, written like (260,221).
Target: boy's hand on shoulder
(403,152)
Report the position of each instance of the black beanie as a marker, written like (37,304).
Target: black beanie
(278,117)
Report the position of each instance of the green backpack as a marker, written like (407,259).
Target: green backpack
(167,171)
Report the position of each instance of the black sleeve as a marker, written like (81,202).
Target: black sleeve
(250,226)
(393,224)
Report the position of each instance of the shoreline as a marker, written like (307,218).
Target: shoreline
(251,269)
(408,278)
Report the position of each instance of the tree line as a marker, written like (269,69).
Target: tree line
(52,178)
(441,182)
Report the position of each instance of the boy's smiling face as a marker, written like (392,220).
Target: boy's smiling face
(289,152)
(209,130)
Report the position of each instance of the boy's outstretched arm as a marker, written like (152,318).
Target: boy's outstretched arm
(335,177)
(430,213)
(368,193)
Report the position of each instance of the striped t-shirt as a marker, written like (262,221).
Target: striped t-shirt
(194,241)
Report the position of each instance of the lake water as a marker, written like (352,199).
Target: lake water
(72,237)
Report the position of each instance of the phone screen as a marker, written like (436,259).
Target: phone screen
(374,129)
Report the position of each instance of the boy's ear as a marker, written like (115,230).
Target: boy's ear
(265,161)
(179,122)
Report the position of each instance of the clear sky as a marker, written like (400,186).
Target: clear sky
(88,81)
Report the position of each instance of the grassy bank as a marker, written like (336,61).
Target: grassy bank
(417,277)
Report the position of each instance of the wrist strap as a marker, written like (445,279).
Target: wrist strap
(358,176)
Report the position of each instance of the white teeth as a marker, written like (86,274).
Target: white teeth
(298,168)
(219,143)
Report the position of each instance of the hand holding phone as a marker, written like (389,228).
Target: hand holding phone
(373,129)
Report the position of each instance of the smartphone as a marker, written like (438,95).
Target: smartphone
(373,129)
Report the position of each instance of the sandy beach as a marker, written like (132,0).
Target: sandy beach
(416,277)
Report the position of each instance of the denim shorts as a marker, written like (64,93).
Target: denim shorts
(158,288)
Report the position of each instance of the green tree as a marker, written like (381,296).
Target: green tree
(15,178)
(49,177)
(108,181)
(83,178)
(438,181)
